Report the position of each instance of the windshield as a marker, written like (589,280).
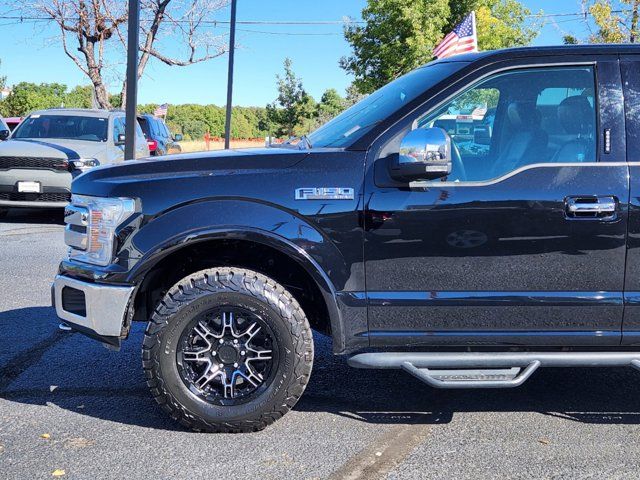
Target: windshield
(90,129)
(353,123)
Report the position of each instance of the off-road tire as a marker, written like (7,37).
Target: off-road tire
(227,286)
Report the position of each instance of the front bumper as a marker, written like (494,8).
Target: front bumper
(94,309)
(56,188)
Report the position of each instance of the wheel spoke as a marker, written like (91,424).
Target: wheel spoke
(259,354)
(197,355)
(204,333)
(227,324)
(210,373)
(228,385)
(251,332)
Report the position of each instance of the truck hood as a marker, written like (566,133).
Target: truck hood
(127,178)
(52,148)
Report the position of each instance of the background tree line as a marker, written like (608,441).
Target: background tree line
(191,120)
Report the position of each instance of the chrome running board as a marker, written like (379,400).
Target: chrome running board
(485,369)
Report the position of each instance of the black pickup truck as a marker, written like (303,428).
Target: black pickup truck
(470,222)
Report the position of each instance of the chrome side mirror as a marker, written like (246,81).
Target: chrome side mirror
(425,154)
(121,139)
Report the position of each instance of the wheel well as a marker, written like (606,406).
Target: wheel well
(237,253)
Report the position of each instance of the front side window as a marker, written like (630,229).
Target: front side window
(519,118)
(68,127)
(118,128)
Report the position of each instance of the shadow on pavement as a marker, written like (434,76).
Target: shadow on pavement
(77,374)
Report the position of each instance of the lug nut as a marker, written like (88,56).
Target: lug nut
(235,340)
(221,365)
(235,365)
(221,340)
(243,352)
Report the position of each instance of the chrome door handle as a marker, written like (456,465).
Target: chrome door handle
(591,208)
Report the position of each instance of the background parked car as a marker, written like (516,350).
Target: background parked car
(50,147)
(13,122)
(159,138)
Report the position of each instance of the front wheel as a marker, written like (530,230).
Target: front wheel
(4,212)
(227,350)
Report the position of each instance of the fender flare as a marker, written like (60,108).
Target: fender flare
(153,254)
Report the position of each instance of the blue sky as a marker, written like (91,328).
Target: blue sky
(29,53)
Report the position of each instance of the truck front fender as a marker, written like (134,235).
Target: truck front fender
(253,221)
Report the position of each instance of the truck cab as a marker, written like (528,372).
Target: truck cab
(470,222)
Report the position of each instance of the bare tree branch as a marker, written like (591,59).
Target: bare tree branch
(98,30)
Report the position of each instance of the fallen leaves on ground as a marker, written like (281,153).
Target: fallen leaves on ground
(58,473)
(46,436)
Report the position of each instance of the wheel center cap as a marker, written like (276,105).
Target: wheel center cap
(227,354)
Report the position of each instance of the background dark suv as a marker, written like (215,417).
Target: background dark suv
(159,138)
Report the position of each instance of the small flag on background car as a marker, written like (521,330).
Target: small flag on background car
(463,39)
(162,110)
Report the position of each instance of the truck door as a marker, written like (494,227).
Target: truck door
(524,242)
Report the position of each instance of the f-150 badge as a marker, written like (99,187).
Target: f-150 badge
(325,193)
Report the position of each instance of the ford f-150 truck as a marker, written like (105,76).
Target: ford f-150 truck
(466,259)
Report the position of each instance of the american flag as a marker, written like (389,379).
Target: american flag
(463,39)
(162,110)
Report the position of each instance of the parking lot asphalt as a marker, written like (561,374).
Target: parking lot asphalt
(69,405)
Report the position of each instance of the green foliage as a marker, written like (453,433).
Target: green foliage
(616,21)
(293,111)
(400,35)
(79,97)
(193,121)
(26,97)
(569,39)
(353,95)
(331,104)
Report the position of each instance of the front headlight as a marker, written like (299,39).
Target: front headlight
(84,164)
(91,227)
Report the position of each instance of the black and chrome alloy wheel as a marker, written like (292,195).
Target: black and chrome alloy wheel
(227,355)
(227,350)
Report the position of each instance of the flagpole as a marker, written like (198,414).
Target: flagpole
(475,30)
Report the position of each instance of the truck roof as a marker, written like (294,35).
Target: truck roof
(88,112)
(519,52)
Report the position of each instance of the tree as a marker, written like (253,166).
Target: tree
(79,97)
(293,107)
(26,97)
(330,105)
(400,35)
(616,21)
(93,36)
(353,95)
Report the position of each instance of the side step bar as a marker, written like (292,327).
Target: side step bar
(485,369)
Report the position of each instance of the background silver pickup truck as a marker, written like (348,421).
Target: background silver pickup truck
(50,147)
